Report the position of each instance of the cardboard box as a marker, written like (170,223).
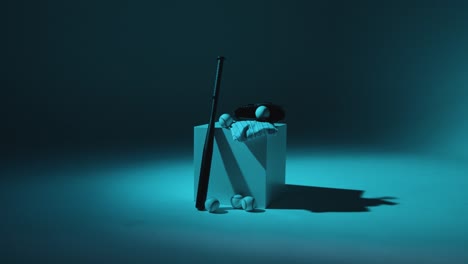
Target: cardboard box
(256,168)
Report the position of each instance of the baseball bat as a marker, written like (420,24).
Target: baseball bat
(205,168)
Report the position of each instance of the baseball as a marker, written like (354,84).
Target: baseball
(262,112)
(248,203)
(225,120)
(236,201)
(211,204)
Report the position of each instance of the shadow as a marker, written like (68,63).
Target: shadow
(257,147)
(256,211)
(236,177)
(227,208)
(321,200)
(220,211)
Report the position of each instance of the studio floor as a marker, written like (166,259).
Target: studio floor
(338,207)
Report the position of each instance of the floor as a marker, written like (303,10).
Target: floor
(337,207)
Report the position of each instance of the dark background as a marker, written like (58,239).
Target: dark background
(121,77)
(86,75)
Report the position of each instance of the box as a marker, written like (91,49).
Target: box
(256,168)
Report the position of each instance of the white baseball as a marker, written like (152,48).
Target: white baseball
(236,201)
(211,204)
(225,120)
(248,203)
(262,112)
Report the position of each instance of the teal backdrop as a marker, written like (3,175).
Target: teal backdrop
(99,98)
(105,74)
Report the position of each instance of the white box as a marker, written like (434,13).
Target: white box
(255,167)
